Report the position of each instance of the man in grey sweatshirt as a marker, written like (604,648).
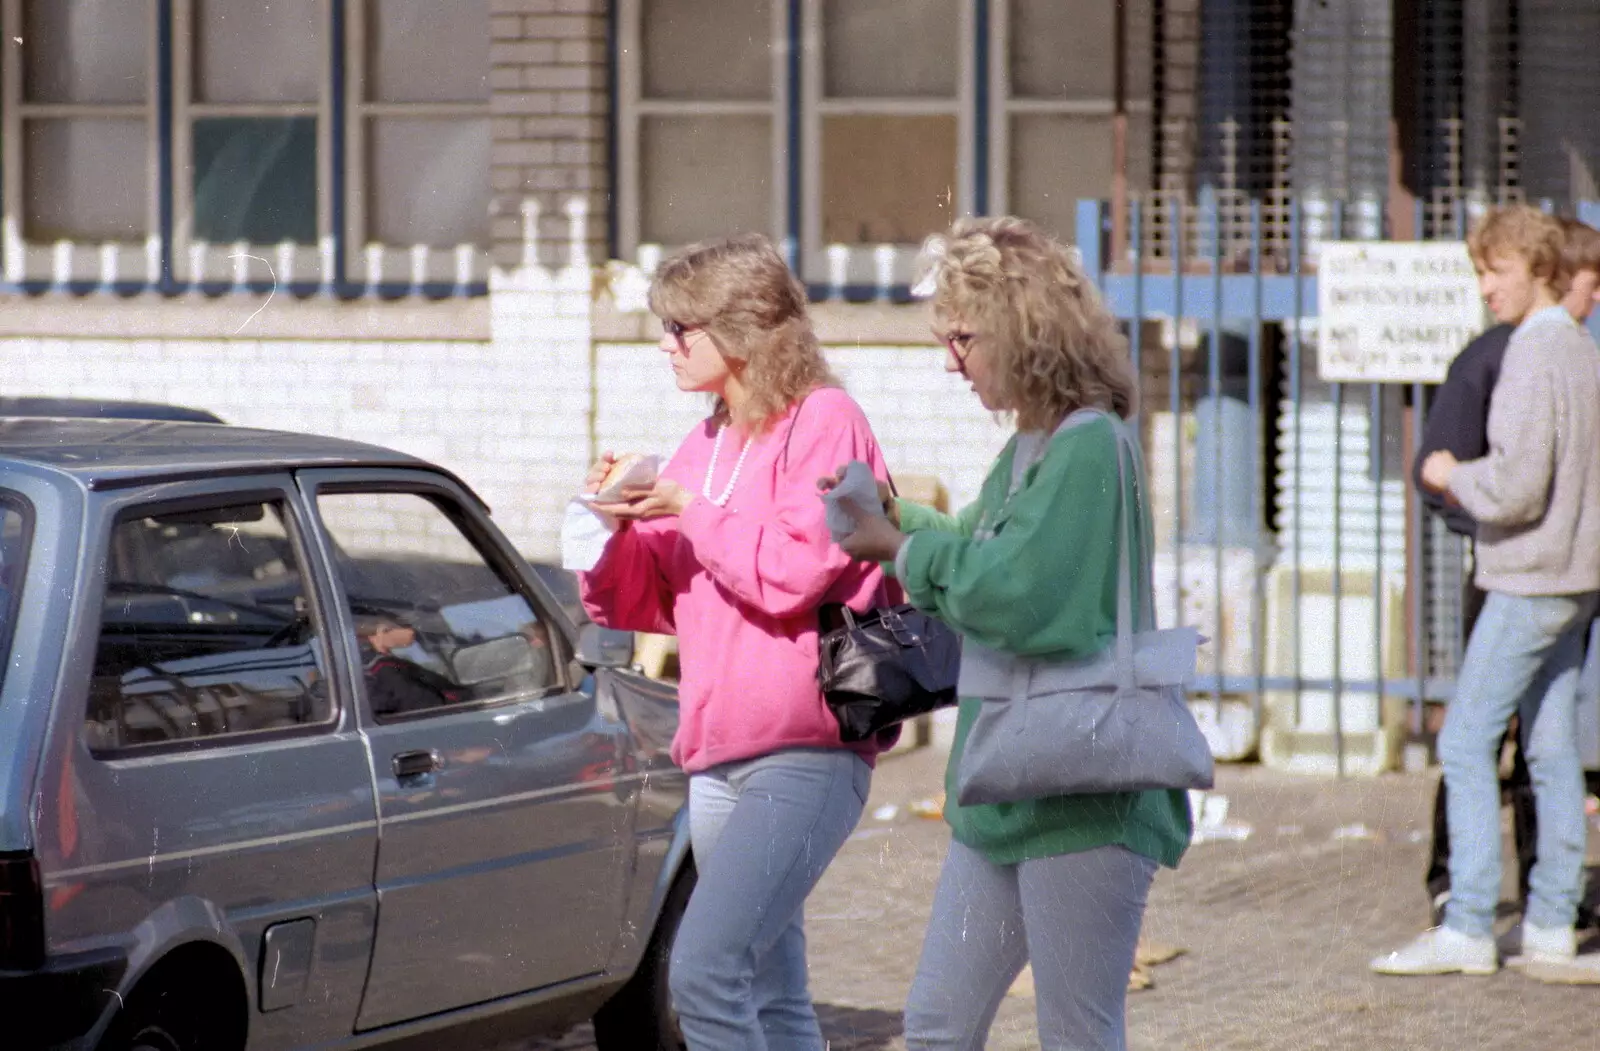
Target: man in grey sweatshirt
(1536,498)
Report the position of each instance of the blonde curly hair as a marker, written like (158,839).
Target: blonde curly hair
(739,291)
(1054,345)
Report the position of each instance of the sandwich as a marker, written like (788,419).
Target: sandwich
(631,471)
(619,471)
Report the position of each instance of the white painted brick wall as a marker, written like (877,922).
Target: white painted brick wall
(484,410)
(927,421)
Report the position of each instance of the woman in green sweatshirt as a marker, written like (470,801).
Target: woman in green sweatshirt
(1031,570)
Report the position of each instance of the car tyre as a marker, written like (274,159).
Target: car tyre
(639,1017)
(137,1031)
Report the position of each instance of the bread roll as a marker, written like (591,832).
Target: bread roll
(619,469)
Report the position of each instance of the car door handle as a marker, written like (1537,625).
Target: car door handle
(415,764)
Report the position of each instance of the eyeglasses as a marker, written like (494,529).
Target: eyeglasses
(678,331)
(959,344)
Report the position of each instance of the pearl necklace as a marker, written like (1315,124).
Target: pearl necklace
(711,469)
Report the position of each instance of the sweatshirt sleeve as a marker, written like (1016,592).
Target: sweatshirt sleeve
(915,518)
(628,589)
(1510,486)
(783,561)
(1040,584)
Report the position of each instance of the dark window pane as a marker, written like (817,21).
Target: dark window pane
(890,48)
(425,51)
(204,631)
(255,179)
(85,179)
(1055,160)
(85,50)
(255,51)
(887,179)
(699,50)
(435,622)
(1060,50)
(15,525)
(724,185)
(430,181)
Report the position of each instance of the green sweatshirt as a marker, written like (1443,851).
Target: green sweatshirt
(1044,585)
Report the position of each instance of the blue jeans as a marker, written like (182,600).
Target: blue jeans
(762,831)
(1524,656)
(1075,916)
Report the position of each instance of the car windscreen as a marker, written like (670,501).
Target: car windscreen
(16,531)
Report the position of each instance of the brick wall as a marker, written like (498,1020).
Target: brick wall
(548,100)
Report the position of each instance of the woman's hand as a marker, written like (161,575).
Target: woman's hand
(664,499)
(875,539)
(885,495)
(597,473)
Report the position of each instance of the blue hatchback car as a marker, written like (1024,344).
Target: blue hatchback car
(296,751)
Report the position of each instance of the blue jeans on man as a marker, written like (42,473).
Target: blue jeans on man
(1525,656)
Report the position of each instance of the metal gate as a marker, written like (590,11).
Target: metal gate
(1287,529)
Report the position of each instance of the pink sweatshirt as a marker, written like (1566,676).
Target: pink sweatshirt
(741,584)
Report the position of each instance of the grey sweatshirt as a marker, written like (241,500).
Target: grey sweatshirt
(1536,495)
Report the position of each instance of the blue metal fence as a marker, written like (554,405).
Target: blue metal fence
(1254,293)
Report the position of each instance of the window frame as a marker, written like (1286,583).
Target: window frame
(140,260)
(220,259)
(490,548)
(816,107)
(1004,106)
(212,496)
(16,503)
(358,117)
(164,260)
(983,107)
(632,109)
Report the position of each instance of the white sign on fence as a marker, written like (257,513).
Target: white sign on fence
(1394,311)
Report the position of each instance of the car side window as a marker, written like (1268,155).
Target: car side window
(205,631)
(436,623)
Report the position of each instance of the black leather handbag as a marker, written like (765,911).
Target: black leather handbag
(884,666)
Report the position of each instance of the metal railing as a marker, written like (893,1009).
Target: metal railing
(1288,531)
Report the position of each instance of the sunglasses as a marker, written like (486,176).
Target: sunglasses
(678,331)
(959,344)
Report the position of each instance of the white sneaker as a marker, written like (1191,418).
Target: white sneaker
(1440,951)
(1547,945)
(1551,955)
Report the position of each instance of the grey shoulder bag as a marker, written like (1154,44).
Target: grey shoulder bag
(1115,722)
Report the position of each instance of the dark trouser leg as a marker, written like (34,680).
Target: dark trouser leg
(1524,818)
(1437,878)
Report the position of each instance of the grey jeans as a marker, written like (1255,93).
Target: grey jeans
(762,831)
(1075,916)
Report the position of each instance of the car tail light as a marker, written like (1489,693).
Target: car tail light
(21,913)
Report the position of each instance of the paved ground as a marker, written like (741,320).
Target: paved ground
(1277,930)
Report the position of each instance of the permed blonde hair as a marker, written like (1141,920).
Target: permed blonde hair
(1055,346)
(741,292)
(1524,231)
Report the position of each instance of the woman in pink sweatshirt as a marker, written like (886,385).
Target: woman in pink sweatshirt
(729,550)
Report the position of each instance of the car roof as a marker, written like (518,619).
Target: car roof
(107,408)
(121,453)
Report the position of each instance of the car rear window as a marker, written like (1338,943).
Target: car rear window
(16,529)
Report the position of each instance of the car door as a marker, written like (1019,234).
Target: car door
(211,769)
(503,812)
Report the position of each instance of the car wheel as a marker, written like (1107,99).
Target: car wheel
(639,1017)
(154,1038)
(132,1033)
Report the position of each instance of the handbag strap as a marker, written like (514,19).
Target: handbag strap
(1129,522)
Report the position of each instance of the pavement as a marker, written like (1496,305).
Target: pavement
(1302,881)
